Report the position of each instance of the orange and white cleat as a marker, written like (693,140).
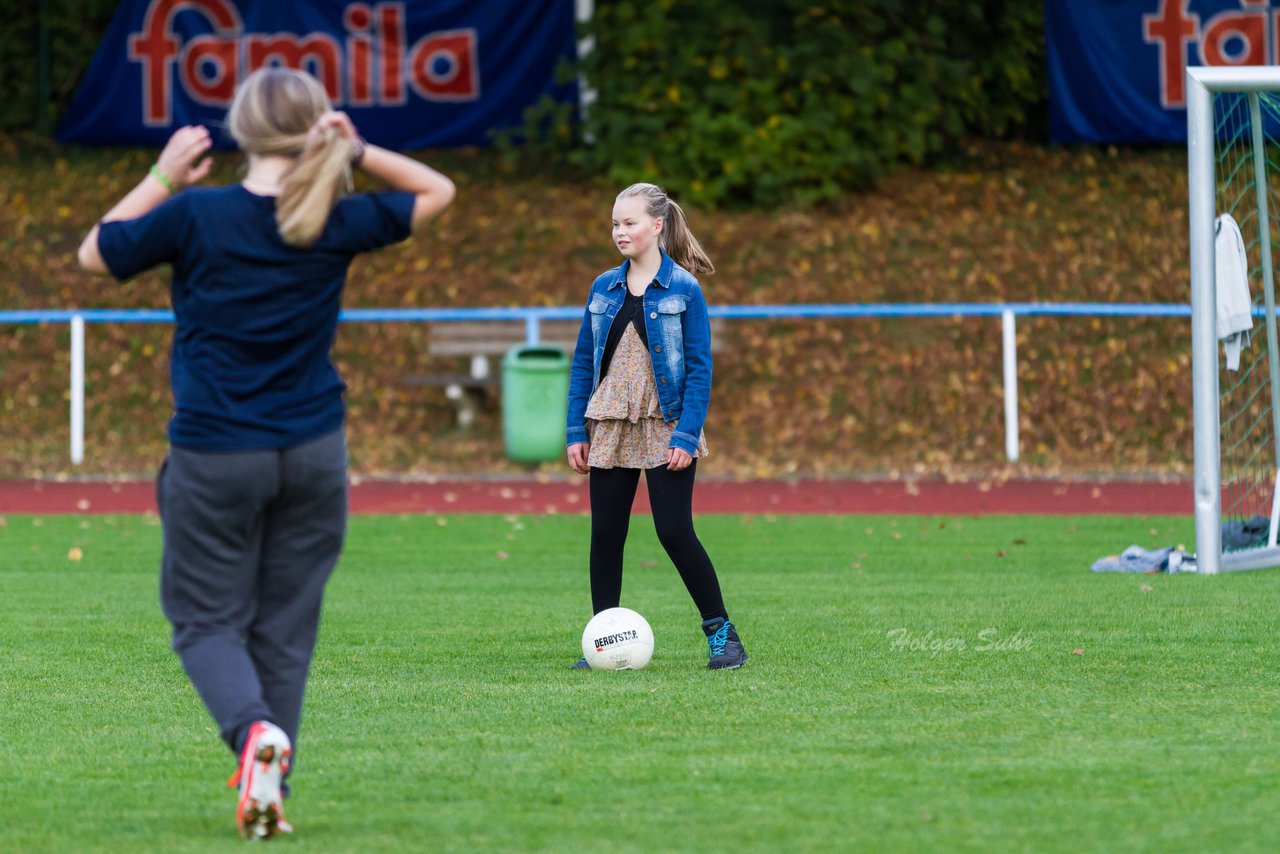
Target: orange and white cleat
(263,763)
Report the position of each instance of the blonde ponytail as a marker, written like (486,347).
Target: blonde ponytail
(311,187)
(272,114)
(677,238)
(681,245)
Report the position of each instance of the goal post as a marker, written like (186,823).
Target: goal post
(1233,167)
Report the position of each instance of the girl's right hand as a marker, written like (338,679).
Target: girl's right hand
(180,160)
(338,120)
(578,457)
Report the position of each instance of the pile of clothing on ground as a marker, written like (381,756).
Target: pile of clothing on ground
(1236,534)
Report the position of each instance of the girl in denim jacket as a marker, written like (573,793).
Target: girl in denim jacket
(639,388)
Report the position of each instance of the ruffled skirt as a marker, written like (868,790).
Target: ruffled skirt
(624,418)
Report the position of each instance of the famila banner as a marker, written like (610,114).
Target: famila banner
(1117,68)
(410,74)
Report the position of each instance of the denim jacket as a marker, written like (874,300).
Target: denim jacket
(679,332)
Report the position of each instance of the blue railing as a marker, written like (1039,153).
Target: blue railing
(732,312)
(533,317)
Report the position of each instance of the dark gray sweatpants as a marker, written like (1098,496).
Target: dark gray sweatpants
(249,541)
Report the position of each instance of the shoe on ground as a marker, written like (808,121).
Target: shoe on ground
(263,763)
(724,648)
(581,664)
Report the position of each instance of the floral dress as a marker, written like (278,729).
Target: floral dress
(624,419)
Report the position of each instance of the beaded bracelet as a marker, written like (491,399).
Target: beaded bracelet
(163,179)
(357,152)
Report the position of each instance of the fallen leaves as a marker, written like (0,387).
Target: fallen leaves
(859,395)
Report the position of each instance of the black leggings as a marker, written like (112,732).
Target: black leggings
(671,498)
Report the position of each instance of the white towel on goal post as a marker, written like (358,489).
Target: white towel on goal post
(1235,307)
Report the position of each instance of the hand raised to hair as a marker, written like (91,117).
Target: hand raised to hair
(335,119)
(180,160)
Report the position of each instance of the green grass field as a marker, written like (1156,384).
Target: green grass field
(916,683)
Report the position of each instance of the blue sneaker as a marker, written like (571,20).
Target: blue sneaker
(724,649)
(581,664)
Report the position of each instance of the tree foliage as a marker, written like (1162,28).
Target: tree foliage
(793,101)
(74,29)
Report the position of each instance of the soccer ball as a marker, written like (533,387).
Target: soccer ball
(617,639)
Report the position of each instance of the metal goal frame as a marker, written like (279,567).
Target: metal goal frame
(1202,84)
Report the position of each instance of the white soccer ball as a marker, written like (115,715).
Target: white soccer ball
(617,639)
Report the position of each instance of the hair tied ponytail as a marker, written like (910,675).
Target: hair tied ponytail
(274,113)
(312,186)
(677,238)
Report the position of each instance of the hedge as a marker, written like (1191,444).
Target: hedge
(75,28)
(790,102)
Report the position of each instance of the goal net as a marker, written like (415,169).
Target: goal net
(1233,124)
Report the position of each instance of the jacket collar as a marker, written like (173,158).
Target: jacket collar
(663,277)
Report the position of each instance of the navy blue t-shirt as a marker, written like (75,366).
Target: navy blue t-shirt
(256,317)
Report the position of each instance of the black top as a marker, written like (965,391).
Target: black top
(632,312)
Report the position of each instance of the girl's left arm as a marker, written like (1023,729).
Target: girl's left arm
(177,167)
(697,381)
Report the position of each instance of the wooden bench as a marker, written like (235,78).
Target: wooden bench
(481,341)
(484,342)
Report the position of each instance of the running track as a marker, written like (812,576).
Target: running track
(710,496)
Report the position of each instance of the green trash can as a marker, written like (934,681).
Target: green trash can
(535,402)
